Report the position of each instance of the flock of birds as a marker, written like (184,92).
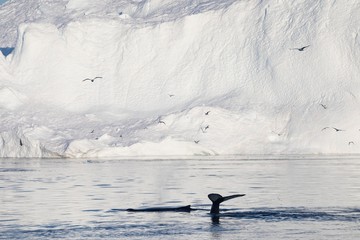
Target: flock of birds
(300,49)
(334,128)
(159,119)
(201,128)
(325,128)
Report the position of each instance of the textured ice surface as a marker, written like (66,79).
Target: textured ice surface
(164,64)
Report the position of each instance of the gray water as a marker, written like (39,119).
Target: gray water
(297,198)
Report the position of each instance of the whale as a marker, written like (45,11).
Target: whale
(215,198)
(186,208)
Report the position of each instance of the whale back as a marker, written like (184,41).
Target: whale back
(186,208)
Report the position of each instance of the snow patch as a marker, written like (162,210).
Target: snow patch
(10,99)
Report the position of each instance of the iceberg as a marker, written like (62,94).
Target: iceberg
(179,77)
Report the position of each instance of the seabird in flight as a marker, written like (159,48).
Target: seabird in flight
(336,129)
(279,134)
(204,129)
(90,79)
(324,106)
(300,49)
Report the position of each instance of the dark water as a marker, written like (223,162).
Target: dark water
(299,198)
(6,51)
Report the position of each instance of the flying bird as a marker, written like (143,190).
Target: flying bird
(336,129)
(160,121)
(196,141)
(300,49)
(204,129)
(279,134)
(171,95)
(351,142)
(207,113)
(90,79)
(324,106)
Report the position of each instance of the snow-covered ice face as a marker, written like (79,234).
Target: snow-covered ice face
(179,60)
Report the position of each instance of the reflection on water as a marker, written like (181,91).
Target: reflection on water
(298,198)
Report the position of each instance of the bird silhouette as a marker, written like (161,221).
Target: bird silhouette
(171,95)
(21,143)
(207,113)
(90,79)
(351,142)
(300,49)
(159,121)
(205,128)
(324,106)
(196,141)
(279,134)
(336,129)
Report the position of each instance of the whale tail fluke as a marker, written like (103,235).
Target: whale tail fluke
(217,199)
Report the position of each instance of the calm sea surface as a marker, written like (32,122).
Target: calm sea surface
(287,198)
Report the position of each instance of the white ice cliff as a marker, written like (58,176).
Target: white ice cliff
(163,64)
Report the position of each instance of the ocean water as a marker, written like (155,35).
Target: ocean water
(300,197)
